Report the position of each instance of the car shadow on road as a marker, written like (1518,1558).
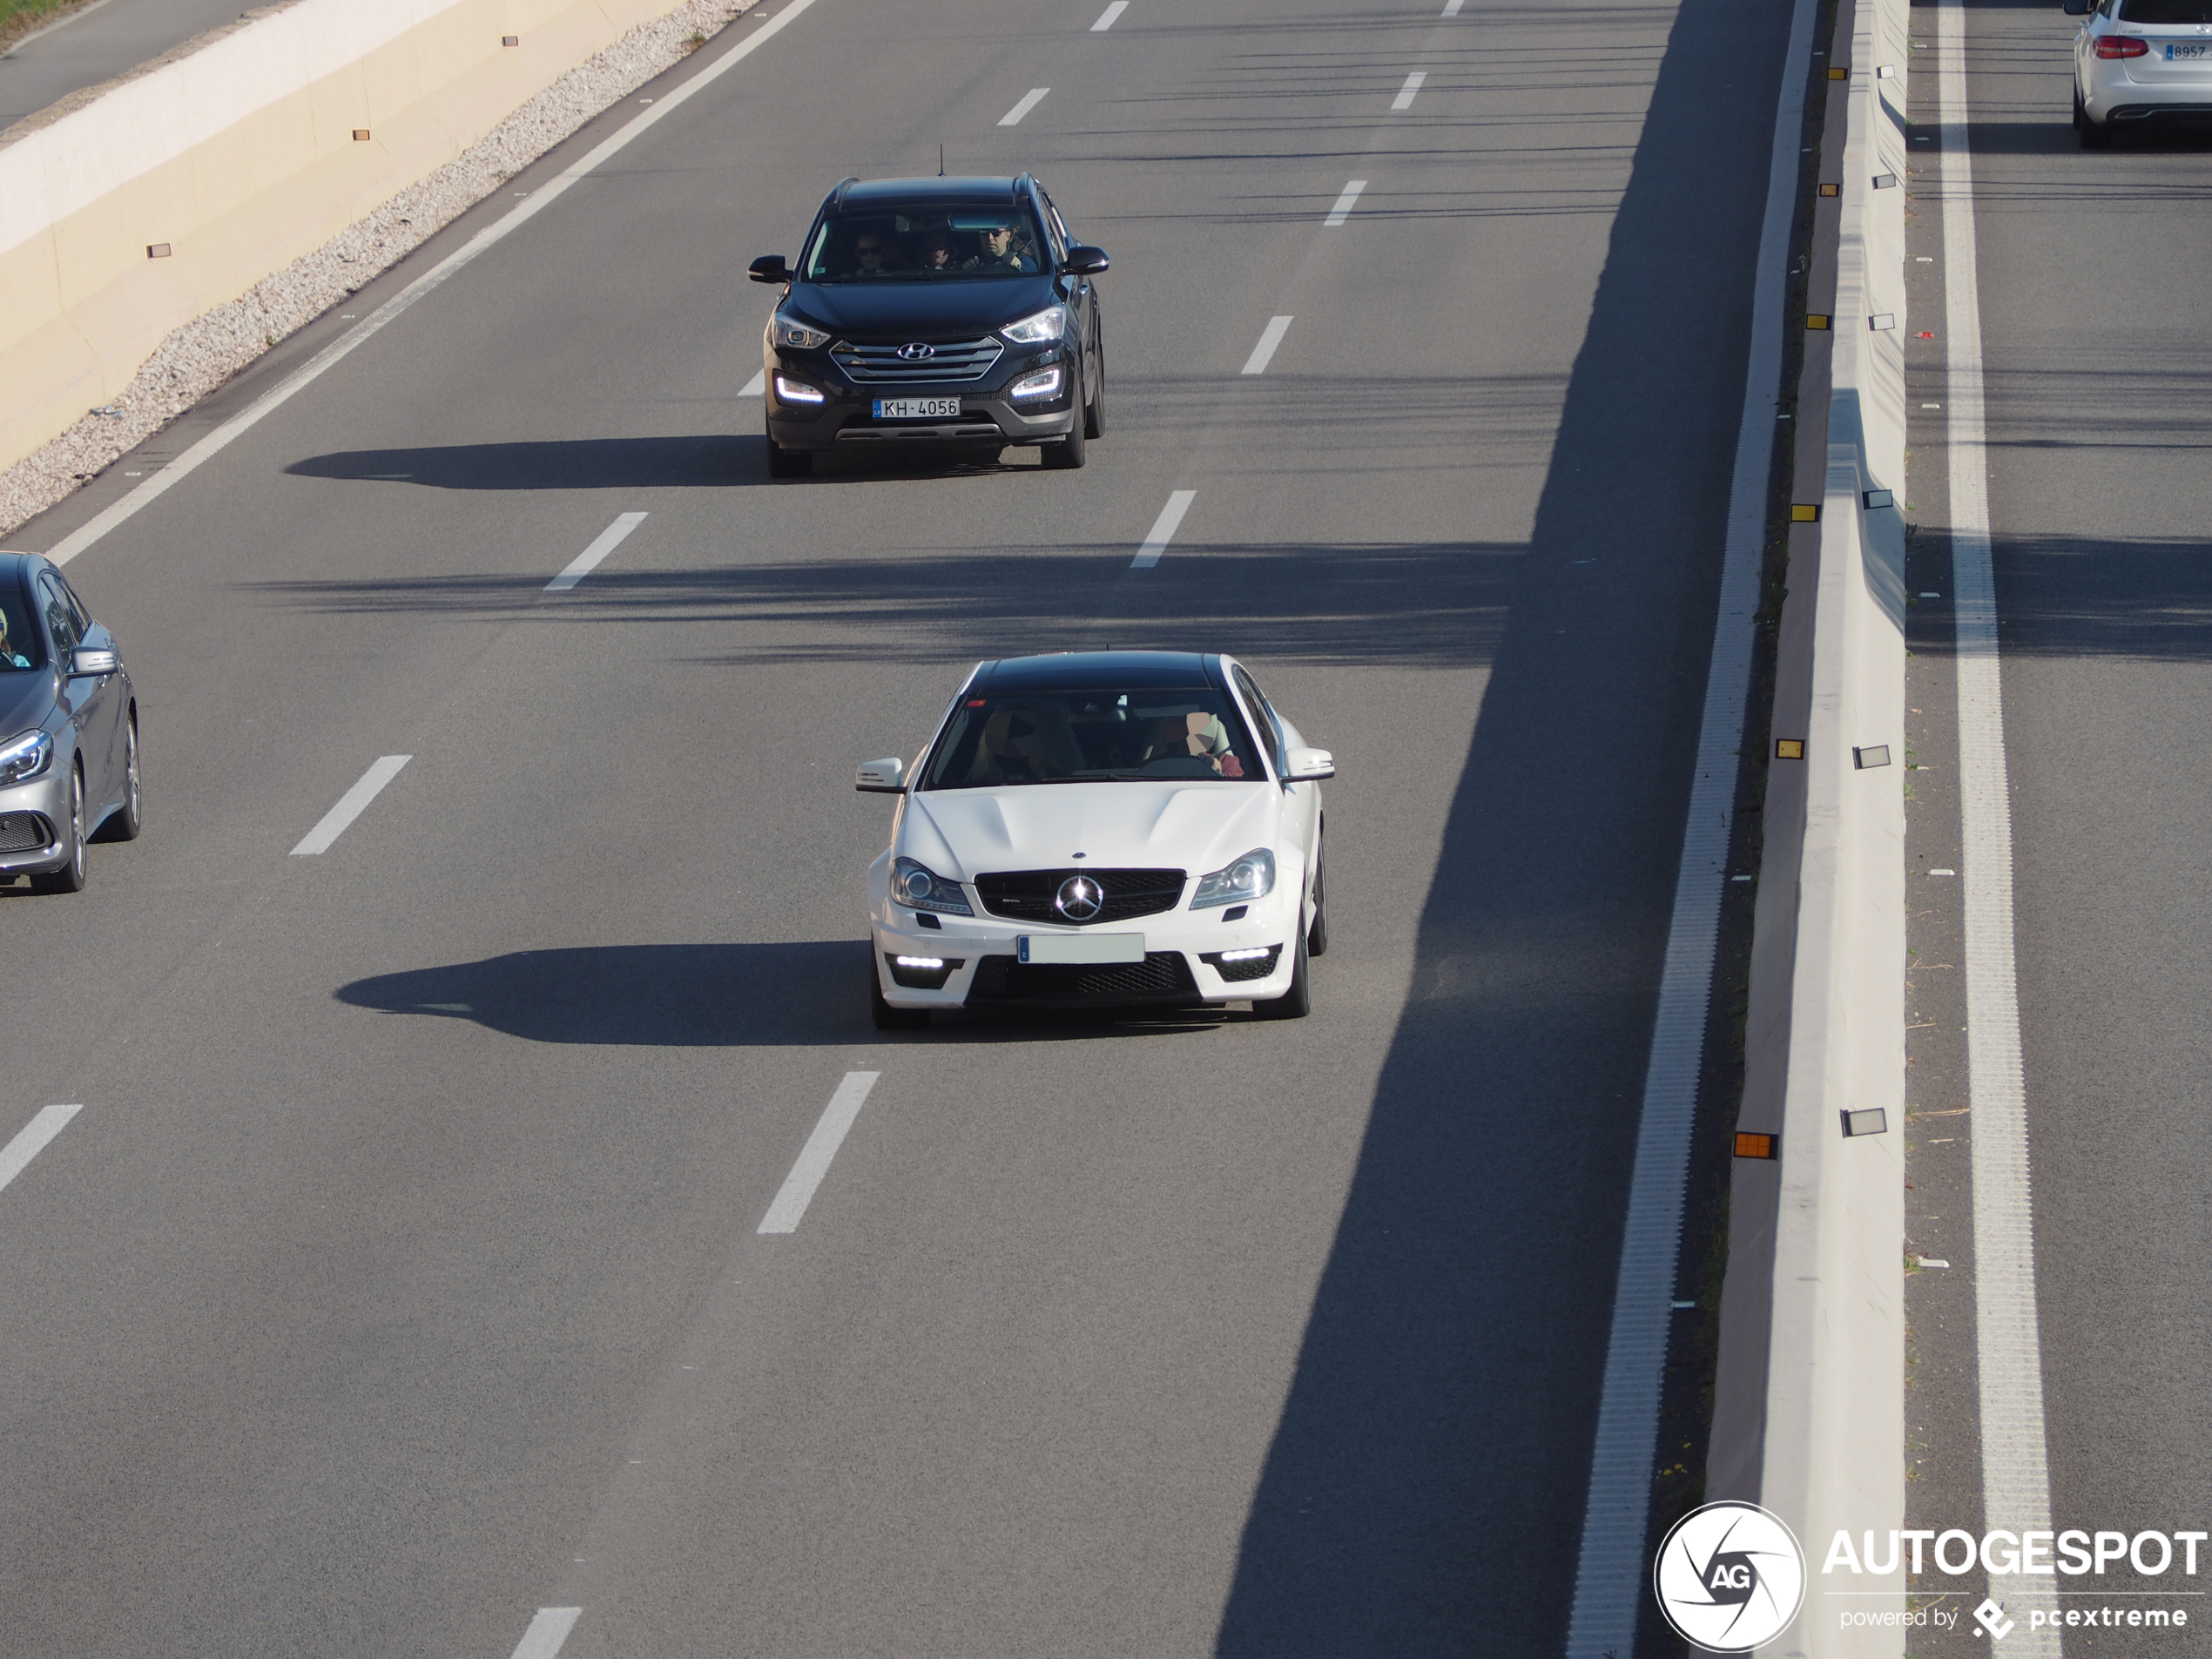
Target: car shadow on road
(810,993)
(701,460)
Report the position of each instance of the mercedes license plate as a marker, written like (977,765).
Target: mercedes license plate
(917,409)
(1081,948)
(2183,54)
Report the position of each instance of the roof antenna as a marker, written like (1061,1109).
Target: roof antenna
(940,159)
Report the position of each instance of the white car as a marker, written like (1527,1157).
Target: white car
(1100,829)
(2140,63)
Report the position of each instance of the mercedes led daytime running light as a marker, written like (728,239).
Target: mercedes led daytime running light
(919,887)
(1251,877)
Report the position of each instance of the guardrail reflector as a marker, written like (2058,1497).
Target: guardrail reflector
(1832,190)
(1788,748)
(1804,512)
(1872,1121)
(1816,320)
(1748,1145)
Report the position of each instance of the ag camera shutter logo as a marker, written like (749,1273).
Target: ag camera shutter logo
(1729,1577)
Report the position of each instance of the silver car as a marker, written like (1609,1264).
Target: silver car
(68,731)
(2140,64)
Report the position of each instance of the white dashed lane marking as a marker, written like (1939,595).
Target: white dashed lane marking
(31,1140)
(1106,18)
(1404,98)
(1033,97)
(1163,528)
(588,561)
(546,1632)
(798,1191)
(1342,211)
(350,806)
(1270,338)
(757,387)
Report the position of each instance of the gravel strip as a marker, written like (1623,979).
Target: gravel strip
(199,357)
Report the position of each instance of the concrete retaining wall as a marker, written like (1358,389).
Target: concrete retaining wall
(238,158)
(1809,1410)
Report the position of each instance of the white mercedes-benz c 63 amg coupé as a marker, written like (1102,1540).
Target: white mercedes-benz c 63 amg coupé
(1100,829)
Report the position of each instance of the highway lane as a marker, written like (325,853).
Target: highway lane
(2098,419)
(108,39)
(401,1275)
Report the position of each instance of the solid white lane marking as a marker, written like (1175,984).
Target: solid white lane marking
(757,387)
(798,1189)
(1163,528)
(1342,211)
(1609,1574)
(1404,98)
(31,1140)
(546,1632)
(1106,18)
(349,807)
(2015,1469)
(1270,338)
(584,563)
(1030,99)
(323,361)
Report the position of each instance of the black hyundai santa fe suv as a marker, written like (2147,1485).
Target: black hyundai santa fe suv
(947,310)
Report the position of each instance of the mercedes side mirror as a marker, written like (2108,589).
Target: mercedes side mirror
(1309,766)
(88,662)
(2077,8)
(880,777)
(769,267)
(1083,260)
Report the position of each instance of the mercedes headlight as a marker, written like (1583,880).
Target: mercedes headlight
(919,887)
(23,758)
(1049,324)
(785,330)
(1251,877)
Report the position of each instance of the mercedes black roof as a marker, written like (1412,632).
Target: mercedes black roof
(1092,671)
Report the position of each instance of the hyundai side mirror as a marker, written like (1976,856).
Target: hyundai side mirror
(881,778)
(89,662)
(769,267)
(1083,260)
(1309,766)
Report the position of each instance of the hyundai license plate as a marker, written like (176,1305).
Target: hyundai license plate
(917,409)
(2183,54)
(1081,948)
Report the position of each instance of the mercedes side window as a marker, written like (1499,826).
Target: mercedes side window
(61,617)
(1270,733)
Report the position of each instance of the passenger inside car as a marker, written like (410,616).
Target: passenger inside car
(13,628)
(1195,733)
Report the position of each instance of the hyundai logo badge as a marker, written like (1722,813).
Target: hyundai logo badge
(917,352)
(1079,899)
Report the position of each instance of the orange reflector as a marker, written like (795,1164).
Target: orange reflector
(1754,1146)
(1832,190)
(1840,74)
(1804,512)
(1788,748)
(1814,319)
(361,135)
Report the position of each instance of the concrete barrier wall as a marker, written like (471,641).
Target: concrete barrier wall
(1809,1410)
(239,157)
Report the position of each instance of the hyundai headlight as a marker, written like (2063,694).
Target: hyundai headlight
(1251,877)
(1048,325)
(919,887)
(24,757)
(785,330)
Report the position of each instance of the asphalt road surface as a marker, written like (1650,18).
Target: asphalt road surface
(2100,423)
(399,1275)
(104,40)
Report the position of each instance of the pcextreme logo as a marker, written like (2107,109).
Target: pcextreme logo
(1729,1576)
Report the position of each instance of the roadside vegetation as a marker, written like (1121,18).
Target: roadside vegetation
(19,18)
